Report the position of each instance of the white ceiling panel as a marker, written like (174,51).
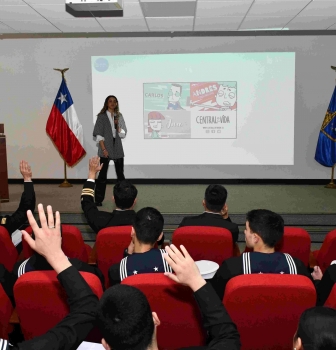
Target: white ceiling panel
(39,26)
(282,8)
(320,8)
(18,12)
(132,10)
(123,24)
(52,11)
(264,22)
(221,9)
(78,25)
(170,24)
(5,29)
(218,23)
(310,22)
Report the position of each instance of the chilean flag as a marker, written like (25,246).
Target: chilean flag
(64,127)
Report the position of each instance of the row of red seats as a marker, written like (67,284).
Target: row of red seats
(203,243)
(265,308)
(242,298)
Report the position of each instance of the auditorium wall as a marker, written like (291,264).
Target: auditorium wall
(28,86)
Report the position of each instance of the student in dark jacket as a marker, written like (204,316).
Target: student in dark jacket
(264,229)
(141,256)
(75,327)
(124,196)
(215,212)
(38,262)
(13,222)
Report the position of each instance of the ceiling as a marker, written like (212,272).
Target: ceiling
(141,16)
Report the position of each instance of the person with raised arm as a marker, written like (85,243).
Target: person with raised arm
(74,328)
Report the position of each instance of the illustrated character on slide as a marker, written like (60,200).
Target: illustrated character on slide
(227,97)
(155,124)
(174,96)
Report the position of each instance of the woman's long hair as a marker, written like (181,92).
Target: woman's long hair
(104,109)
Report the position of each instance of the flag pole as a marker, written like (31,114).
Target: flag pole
(331,184)
(65,183)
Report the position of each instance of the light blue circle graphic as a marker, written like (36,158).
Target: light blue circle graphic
(101,65)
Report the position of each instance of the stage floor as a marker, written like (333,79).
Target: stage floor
(309,206)
(187,199)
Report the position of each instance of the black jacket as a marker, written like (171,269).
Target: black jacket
(101,219)
(209,219)
(19,217)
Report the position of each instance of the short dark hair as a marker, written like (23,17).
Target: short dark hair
(267,224)
(125,319)
(317,327)
(215,197)
(179,86)
(124,193)
(148,225)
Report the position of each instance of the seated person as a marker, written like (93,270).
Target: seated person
(38,262)
(264,229)
(316,330)
(123,308)
(124,196)
(75,327)
(16,220)
(133,325)
(216,212)
(324,282)
(141,256)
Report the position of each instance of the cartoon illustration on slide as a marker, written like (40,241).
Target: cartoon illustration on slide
(213,96)
(174,96)
(227,97)
(195,110)
(155,124)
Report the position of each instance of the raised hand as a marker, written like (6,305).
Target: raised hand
(94,166)
(48,238)
(25,170)
(186,271)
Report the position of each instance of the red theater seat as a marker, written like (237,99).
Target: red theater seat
(5,314)
(296,242)
(266,308)
(8,252)
(176,308)
(110,245)
(327,253)
(41,301)
(205,242)
(73,244)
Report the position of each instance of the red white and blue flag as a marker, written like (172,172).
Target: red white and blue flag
(64,127)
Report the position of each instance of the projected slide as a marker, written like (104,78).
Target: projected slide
(190,110)
(201,108)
